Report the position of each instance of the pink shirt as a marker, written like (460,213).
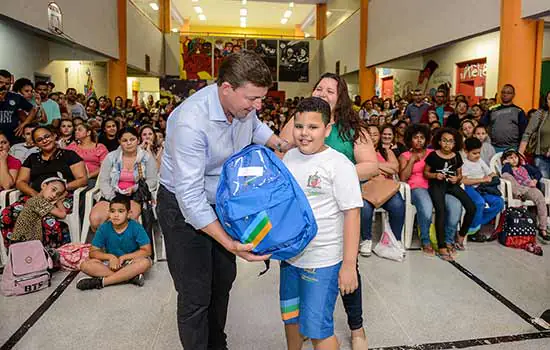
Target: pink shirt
(92,156)
(126,179)
(417,179)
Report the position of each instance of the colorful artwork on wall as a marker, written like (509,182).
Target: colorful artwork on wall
(294,61)
(196,58)
(224,47)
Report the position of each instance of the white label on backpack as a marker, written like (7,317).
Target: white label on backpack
(251,171)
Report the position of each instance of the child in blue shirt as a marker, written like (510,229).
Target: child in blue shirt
(120,250)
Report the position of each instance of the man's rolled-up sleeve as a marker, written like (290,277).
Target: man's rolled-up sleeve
(188,149)
(261,132)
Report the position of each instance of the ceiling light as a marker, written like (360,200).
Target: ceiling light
(307,35)
(202,17)
(154,6)
(175,30)
(243,19)
(243,24)
(244,12)
(197,9)
(329,13)
(194,0)
(291,5)
(287,14)
(284,20)
(243,2)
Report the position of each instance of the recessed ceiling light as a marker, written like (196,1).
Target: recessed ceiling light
(291,4)
(197,9)
(194,0)
(202,17)
(287,14)
(154,6)
(284,20)
(243,2)
(244,12)
(175,30)
(329,13)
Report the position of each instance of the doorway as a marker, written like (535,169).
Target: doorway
(387,87)
(470,77)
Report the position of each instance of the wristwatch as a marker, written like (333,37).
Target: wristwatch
(280,145)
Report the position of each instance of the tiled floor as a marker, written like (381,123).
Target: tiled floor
(422,300)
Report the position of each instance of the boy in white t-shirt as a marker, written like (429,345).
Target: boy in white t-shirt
(480,186)
(311,281)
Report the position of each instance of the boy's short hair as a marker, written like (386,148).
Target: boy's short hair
(472,143)
(479,126)
(120,199)
(315,104)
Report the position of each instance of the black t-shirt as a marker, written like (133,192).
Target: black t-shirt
(448,167)
(59,165)
(110,144)
(9,114)
(454,121)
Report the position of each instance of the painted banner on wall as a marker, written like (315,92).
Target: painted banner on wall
(294,61)
(223,47)
(267,49)
(196,58)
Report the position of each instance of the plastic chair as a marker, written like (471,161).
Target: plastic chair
(92,196)
(405,234)
(72,220)
(4,202)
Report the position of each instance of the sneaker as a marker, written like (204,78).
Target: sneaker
(139,280)
(544,237)
(365,248)
(89,283)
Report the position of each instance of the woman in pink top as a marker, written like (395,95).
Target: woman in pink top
(92,152)
(9,166)
(411,171)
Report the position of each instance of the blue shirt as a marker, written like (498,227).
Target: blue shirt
(199,139)
(123,243)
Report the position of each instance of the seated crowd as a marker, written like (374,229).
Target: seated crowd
(53,143)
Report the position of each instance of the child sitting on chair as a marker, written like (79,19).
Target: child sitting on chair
(525,180)
(28,226)
(120,250)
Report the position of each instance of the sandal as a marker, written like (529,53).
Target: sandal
(452,250)
(445,256)
(428,250)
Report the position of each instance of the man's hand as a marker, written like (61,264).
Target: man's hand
(244,251)
(114,263)
(347,279)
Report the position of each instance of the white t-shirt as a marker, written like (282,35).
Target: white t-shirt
(331,185)
(475,170)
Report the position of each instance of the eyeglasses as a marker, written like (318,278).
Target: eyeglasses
(448,141)
(43,138)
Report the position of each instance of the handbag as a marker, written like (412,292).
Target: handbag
(143,194)
(144,197)
(71,255)
(379,190)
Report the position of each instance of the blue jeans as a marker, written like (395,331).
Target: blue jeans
(395,206)
(424,209)
(543,163)
(484,215)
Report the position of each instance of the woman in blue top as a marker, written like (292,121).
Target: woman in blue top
(348,136)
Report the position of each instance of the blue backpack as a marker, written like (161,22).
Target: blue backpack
(258,201)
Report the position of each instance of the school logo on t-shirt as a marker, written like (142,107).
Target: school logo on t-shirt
(12,103)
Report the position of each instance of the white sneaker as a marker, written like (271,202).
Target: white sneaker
(365,248)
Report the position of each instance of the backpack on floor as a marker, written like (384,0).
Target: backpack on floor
(258,201)
(27,269)
(71,255)
(517,229)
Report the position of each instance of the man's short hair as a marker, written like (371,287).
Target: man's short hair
(244,67)
(315,104)
(70,89)
(30,126)
(40,83)
(472,143)
(5,74)
(510,86)
(120,199)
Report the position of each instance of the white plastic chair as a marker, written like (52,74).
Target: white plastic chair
(72,220)
(404,234)
(4,202)
(92,196)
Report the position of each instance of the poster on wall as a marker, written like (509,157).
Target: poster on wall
(267,50)
(224,47)
(196,58)
(294,61)
(179,88)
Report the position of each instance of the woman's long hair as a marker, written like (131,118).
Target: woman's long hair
(350,126)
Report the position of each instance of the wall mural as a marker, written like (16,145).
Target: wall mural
(196,58)
(294,61)
(223,47)
(173,86)
(267,49)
